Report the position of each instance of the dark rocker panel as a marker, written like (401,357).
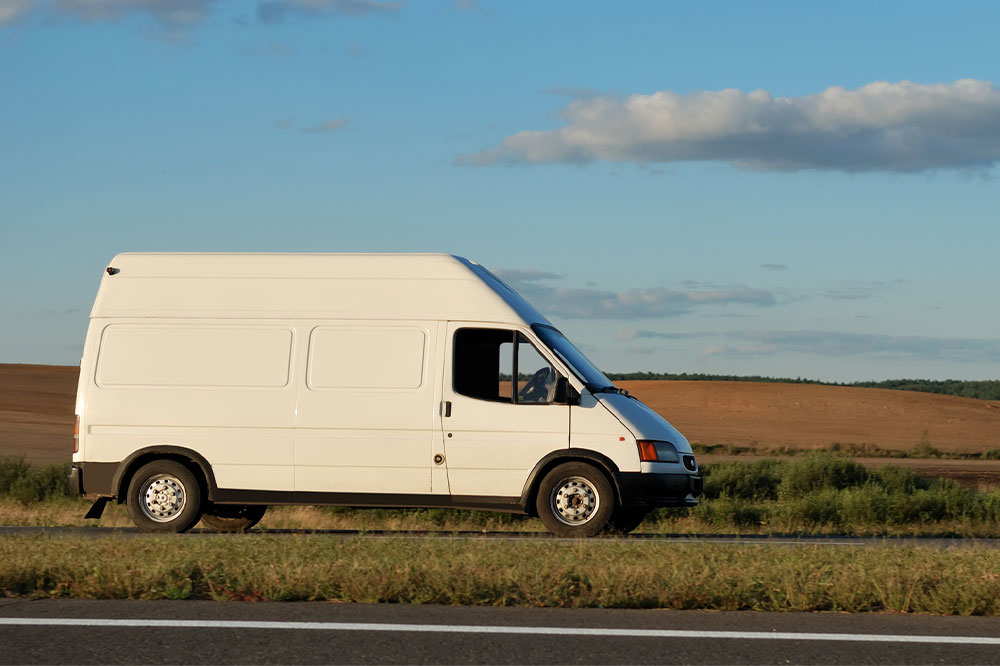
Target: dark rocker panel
(369,500)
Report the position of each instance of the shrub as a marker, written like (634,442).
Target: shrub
(867,505)
(924,449)
(987,506)
(27,484)
(899,479)
(758,480)
(12,468)
(942,500)
(819,472)
(727,512)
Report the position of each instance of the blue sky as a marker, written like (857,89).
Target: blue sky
(775,188)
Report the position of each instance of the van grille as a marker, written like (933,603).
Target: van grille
(689,463)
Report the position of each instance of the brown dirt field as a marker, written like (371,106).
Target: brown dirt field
(37,404)
(808,416)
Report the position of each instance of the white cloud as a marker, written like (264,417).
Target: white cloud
(902,127)
(13,10)
(170,14)
(635,334)
(603,304)
(837,344)
(644,350)
(173,16)
(329,126)
(275,11)
(521,275)
(859,290)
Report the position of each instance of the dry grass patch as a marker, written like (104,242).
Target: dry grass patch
(609,574)
(70,512)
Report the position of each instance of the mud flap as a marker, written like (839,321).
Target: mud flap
(97,508)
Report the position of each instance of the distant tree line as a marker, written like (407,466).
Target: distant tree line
(983,390)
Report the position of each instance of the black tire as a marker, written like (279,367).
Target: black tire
(626,519)
(575,500)
(164,496)
(232,517)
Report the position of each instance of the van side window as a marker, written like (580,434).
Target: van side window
(499,365)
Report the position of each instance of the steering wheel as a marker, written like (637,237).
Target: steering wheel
(536,389)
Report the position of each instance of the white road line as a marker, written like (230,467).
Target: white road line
(495,629)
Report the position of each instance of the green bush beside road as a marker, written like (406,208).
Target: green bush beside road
(24,483)
(821,493)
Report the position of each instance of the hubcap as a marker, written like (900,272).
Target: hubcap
(575,501)
(162,498)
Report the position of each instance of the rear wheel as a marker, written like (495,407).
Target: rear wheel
(575,500)
(232,517)
(164,496)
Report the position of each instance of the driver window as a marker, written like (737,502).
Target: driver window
(501,365)
(536,378)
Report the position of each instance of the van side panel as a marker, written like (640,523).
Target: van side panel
(222,388)
(195,356)
(366,407)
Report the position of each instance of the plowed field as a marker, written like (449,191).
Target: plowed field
(808,416)
(37,411)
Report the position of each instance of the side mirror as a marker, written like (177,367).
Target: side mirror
(565,393)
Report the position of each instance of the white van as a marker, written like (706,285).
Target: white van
(214,385)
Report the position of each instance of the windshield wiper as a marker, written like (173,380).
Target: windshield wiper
(613,389)
(609,389)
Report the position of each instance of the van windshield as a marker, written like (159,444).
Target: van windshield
(573,357)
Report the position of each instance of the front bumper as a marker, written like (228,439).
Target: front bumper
(659,490)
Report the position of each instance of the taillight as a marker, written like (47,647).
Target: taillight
(653,451)
(76,435)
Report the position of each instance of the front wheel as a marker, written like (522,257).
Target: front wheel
(233,517)
(575,500)
(164,496)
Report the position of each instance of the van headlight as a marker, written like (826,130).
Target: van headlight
(653,451)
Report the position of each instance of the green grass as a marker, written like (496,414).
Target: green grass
(605,573)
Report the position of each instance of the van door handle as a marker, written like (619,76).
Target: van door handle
(447,408)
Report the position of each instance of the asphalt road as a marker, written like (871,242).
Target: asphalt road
(169,632)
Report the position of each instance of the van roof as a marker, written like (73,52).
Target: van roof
(307,285)
(289,265)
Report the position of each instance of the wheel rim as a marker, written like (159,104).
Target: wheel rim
(575,501)
(162,498)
